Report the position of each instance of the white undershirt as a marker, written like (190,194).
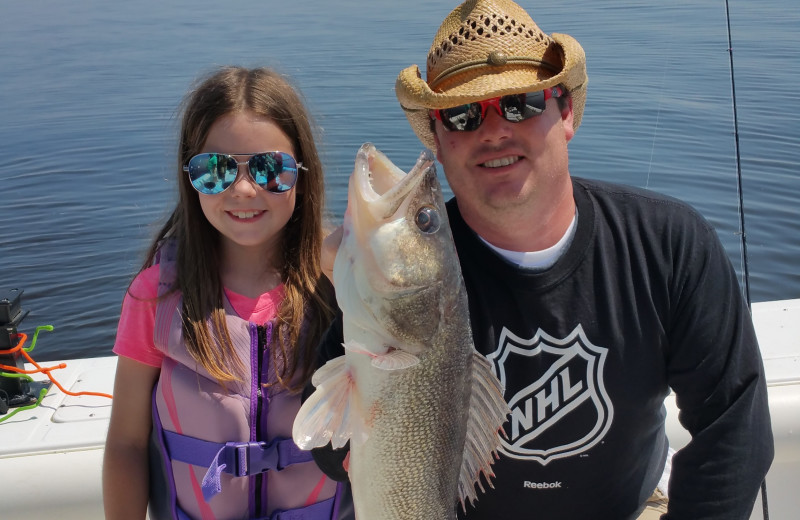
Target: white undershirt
(539,259)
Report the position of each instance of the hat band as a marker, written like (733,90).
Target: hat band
(495,59)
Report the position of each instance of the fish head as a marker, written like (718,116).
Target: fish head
(396,272)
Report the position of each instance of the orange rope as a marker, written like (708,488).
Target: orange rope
(22,339)
(39,369)
(44,370)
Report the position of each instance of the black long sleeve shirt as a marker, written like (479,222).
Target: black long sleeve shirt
(643,300)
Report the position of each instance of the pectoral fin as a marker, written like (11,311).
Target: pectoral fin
(385,359)
(487,413)
(395,360)
(328,415)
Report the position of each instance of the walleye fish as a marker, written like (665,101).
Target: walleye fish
(420,406)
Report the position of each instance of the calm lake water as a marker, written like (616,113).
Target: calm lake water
(89,90)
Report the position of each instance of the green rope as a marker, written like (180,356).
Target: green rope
(28,378)
(42,392)
(36,336)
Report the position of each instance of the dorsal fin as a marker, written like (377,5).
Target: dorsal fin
(487,413)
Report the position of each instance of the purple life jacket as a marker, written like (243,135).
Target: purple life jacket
(226,452)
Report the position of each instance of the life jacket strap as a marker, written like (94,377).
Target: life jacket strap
(319,511)
(236,458)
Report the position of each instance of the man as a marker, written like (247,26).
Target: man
(591,300)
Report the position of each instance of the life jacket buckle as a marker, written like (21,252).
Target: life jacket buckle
(256,457)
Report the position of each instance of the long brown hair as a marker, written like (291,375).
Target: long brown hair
(307,293)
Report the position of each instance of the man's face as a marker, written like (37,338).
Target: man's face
(503,164)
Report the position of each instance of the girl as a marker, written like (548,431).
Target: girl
(218,330)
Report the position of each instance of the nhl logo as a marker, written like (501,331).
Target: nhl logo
(554,387)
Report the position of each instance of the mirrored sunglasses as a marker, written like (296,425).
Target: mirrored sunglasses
(514,108)
(213,173)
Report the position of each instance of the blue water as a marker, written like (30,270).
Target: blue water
(88,93)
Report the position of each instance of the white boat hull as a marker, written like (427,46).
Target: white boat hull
(51,456)
(55,451)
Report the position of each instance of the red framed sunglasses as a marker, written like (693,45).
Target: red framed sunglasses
(513,108)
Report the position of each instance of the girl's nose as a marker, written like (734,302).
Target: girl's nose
(244,185)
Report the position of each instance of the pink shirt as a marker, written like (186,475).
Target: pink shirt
(137,319)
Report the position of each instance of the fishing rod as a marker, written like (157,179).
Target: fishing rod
(745,268)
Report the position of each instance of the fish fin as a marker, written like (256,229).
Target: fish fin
(389,359)
(395,360)
(355,346)
(487,413)
(328,415)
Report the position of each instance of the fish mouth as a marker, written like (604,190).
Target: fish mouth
(383,187)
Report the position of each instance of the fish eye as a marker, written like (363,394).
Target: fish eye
(428,220)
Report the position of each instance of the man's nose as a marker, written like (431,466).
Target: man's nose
(494,126)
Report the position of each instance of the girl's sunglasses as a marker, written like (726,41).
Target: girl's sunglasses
(514,108)
(212,173)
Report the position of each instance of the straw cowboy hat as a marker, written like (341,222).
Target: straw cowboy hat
(486,49)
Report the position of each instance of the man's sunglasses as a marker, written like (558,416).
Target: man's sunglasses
(213,173)
(514,108)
